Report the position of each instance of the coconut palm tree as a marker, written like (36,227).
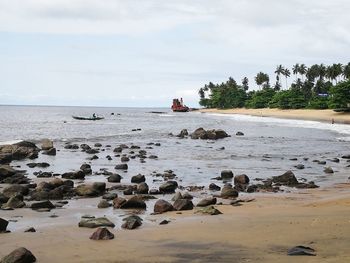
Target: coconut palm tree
(302,71)
(279,71)
(296,69)
(346,71)
(286,74)
(245,83)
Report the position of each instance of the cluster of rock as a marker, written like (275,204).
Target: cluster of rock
(203,134)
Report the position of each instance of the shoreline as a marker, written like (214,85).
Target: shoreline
(261,230)
(301,114)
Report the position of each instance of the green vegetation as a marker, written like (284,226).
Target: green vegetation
(316,87)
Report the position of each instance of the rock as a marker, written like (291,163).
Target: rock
(228,192)
(6,171)
(102,233)
(214,187)
(85,147)
(138,179)
(114,178)
(183,204)
(14,202)
(335,160)
(220,134)
(142,188)
(74,175)
(199,133)
(124,159)
(177,196)
(301,251)
(44,204)
(207,201)
(300,166)
(16,179)
(347,156)
(162,206)
(71,146)
(15,189)
(226,174)
(51,152)
(239,133)
(183,133)
(30,230)
(128,191)
(241,179)
(96,222)
(19,255)
(210,210)
(3,225)
(110,196)
(322,162)
(118,150)
(164,222)
(46,144)
(134,203)
(154,192)
(122,166)
(168,187)
(19,151)
(118,202)
(96,189)
(98,145)
(86,168)
(288,179)
(187,195)
(103,204)
(328,170)
(132,222)
(41,165)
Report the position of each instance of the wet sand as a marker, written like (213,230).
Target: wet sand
(258,231)
(314,115)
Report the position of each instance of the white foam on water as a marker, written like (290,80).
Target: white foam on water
(343,129)
(10,142)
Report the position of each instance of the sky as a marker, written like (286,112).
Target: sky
(144,53)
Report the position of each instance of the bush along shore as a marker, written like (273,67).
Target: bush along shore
(314,87)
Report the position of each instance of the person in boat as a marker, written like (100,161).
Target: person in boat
(94,115)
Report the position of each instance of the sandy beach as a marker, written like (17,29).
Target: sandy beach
(314,115)
(262,230)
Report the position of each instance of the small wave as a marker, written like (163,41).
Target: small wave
(10,142)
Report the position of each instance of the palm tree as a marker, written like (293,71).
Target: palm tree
(245,83)
(201,93)
(322,71)
(296,69)
(286,73)
(279,70)
(338,71)
(262,78)
(302,70)
(346,71)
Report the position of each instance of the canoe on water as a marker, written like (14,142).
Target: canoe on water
(88,118)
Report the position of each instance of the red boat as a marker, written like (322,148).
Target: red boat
(178,106)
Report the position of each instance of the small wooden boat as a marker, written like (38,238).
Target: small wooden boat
(88,118)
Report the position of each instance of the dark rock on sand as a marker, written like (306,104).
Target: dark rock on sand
(177,196)
(118,150)
(134,202)
(19,151)
(102,233)
(103,204)
(138,179)
(46,144)
(3,225)
(44,204)
(110,196)
(214,187)
(201,133)
(51,152)
(288,179)
(209,210)
(347,156)
(226,174)
(168,187)
(142,188)
(118,202)
(328,170)
(74,175)
(132,222)
(122,166)
(183,204)
(30,230)
(71,146)
(96,222)
(114,178)
(162,206)
(207,201)
(164,222)
(14,202)
(98,144)
(301,251)
(19,255)
(86,168)
(96,189)
(229,192)
(41,165)
(241,179)
(15,189)
(124,159)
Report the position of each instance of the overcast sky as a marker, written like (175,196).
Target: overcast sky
(146,52)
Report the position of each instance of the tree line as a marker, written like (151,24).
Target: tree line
(315,87)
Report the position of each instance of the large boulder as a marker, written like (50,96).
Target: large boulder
(15,189)
(15,201)
(207,201)
(6,171)
(134,202)
(288,179)
(20,150)
(229,192)
(96,222)
(162,206)
(19,255)
(183,204)
(201,133)
(95,189)
(168,187)
(142,188)
(74,175)
(102,233)
(241,179)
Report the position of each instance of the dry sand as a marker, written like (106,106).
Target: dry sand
(258,231)
(316,115)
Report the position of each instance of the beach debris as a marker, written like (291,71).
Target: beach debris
(168,187)
(328,170)
(19,255)
(207,201)
(301,251)
(102,233)
(3,225)
(183,204)
(96,222)
(132,222)
(162,206)
(209,210)
(30,230)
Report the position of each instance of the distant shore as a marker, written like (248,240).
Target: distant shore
(302,114)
